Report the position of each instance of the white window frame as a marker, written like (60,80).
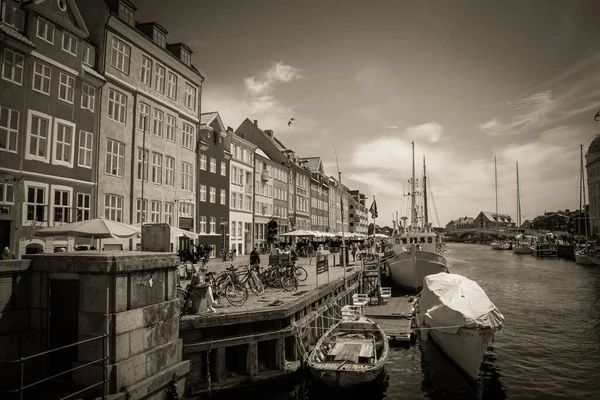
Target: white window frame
(88,97)
(43,78)
(119,108)
(202,192)
(69,124)
(38,185)
(72,43)
(4,199)
(223,195)
(155,211)
(213,224)
(212,195)
(202,224)
(141,210)
(68,206)
(187,136)
(13,16)
(120,55)
(190,96)
(171,128)
(158,123)
(157,168)
(143,117)
(213,165)
(126,14)
(160,74)
(203,162)
(89,55)
(47,29)
(116,157)
(118,211)
(187,176)
(8,131)
(171,85)
(186,209)
(223,168)
(85,153)
(15,64)
(83,209)
(169,171)
(168,213)
(48,118)
(142,161)
(68,83)
(146,71)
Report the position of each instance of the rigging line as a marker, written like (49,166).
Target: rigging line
(433,201)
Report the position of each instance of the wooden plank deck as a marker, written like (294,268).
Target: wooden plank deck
(393,307)
(396,327)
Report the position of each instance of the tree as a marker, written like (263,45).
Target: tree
(271,231)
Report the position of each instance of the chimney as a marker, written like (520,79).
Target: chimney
(256,122)
(229,129)
(269,132)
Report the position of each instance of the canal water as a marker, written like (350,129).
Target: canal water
(549,349)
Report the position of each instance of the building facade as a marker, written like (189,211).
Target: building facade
(241,184)
(319,194)
(213,184)
(489,220)
(592,167)
(150,112)
(460,224)
(358,212)
(49,112)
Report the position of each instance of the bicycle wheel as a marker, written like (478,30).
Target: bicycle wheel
(255,284)
(182,296)
(289,282)
(236,294)
(301,273)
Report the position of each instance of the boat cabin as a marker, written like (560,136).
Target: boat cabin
(426,240)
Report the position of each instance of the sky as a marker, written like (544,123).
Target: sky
(466,81)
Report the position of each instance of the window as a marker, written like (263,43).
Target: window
(83,207)
(171,126)
(202,192)
(248,203)
(36,203)
(142,160)
(233,200)
(7,193)
(61,206)
(88,97)
(12,16)
(186,209)
(203,162)
(213,195)
(41,78)
(120,55)
(63,143)
(69,43)
(117,106)
(159,119)
(169,171)
(115,158)
(213,225)
(187,177)
(202,224)
(66,88)
(186,57)
(45,30)
(159,78)
(155,207)
(187,137)
(126,14)
(190,96)
(240,229)
(240,177)
(9,129)
(169,213)
(12,66)
(223,197)
(223,168)
(113,207)
(144,117)
(160,39)
(89,55)
(234,175)
(141,211)
(38,140)
(157,168)
(172,86)
(146,76)
(232,231)
(213,165)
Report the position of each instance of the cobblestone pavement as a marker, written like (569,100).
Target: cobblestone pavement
(271,295)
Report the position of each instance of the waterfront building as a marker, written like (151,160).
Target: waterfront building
(150,112)
(461,223)
(241,183)
(490,220)
(335,205)
(213,184)
(49,111)
(299,175)
(319,194)
(358,212)
(592,167)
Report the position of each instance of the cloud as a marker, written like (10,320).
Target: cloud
(278,72)
(431,131)
(390,127)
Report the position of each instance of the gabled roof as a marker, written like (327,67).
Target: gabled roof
(464,220)
(262,154)
(69,18)
(492,216)
(210,117)
(314,164)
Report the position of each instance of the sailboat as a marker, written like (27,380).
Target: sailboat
(417,248)
(498,244)
(587,255)
(522,246)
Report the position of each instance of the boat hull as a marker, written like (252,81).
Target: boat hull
(345,379)
(583,259)
(409,267)
(521,250)
(543,252)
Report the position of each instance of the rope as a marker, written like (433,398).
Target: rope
(208,380)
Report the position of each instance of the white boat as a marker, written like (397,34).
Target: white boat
(522,247)
(460,318)
(351,353)
(502,245)
(418,249)
(583,257)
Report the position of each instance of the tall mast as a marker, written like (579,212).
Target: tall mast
(496,191)
(425,192)
(413,208)
(518,199)
(582,195)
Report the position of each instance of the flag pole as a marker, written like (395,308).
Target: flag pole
(343,252)
(374,225)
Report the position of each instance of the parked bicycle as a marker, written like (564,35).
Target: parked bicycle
(250,277)
(227,284)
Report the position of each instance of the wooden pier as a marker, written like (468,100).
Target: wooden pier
(394,316)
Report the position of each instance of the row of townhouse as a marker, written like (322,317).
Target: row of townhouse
(100,116)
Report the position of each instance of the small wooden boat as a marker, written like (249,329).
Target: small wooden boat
(352,352)
(543,249)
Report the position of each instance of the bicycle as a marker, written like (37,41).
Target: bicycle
(300,272)
(289,280)
(227,284)
(250,277)
(184,296)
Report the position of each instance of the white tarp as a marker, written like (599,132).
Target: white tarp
(453,301)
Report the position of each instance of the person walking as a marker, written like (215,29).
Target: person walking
(310,252)
(255,256)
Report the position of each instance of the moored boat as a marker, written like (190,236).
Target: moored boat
(522,247)
(460,318)
(351,353)
(543,249)
(501,245)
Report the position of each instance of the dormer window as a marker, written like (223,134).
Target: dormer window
(127,14)
(89,55)
(12,16)
(160,38)
(186,57)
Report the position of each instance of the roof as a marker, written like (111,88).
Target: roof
(92,72)
(15,34)
(206,118)
(262,154)
(464,220)
(595,145)
(313,163)
(501,217)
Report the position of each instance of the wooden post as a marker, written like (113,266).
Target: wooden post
(252,359)
(280,353)
(220,367)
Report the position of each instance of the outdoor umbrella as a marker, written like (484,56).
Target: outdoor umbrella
(97,228)
(299,232)
(177,232)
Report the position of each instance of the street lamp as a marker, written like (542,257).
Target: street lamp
(144,132)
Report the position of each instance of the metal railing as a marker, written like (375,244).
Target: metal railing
(21,362)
